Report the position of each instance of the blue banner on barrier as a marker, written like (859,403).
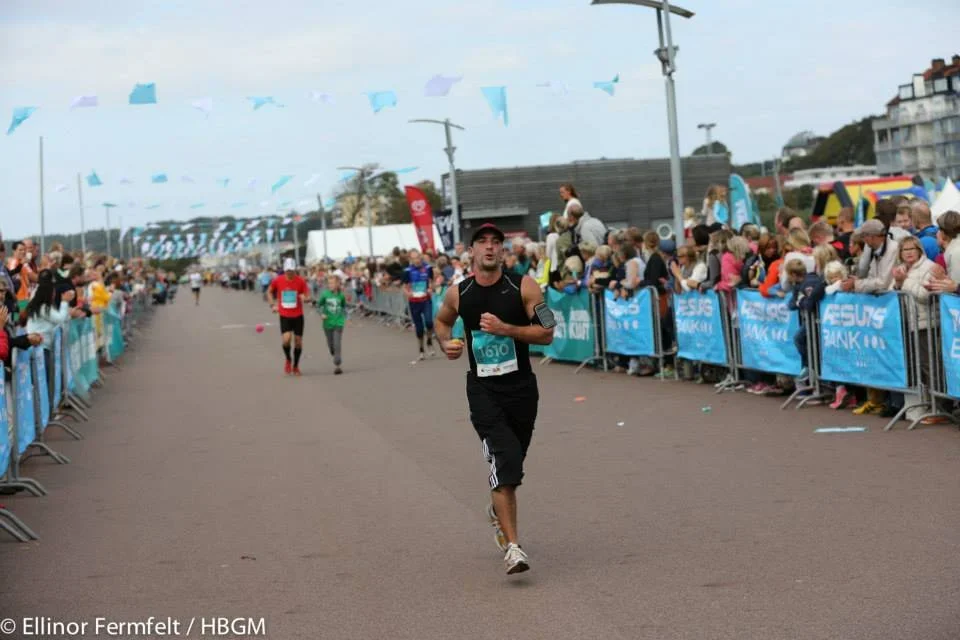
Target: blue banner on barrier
(91,366)
(57,366)
(629,324)
(4,425)
(700,327)
(861,340)
(767,329)
(26,422)
(950,324)
(43,392)
(573,337)
(79,382)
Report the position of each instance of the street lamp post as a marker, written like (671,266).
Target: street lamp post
(106,209)
(323,224)
(667,55)
(708,126)
(450,149)
(83,231)
(365,174)
(43,225)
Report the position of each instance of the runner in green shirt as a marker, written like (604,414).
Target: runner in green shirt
(333,310)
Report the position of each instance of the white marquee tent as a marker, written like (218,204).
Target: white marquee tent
(948,200)
(356,241)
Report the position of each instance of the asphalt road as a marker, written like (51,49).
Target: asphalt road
(210,484)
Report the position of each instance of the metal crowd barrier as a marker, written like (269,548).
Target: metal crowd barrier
(930,391)
(732,337)
(911,363)
(32,402)
(599,317)
(390,305)
(938,383)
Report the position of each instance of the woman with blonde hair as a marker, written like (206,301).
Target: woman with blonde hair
(731,263)
(802,250)
(822,256)
(913,272)
(715,251)
(715,206)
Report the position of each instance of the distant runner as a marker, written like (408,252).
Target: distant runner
(502,313)
(292,292)
(417,280)
(196,281)
(333,309)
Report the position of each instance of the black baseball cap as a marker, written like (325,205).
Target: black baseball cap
(487,227)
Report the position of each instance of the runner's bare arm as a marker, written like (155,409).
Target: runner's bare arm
(541,329)
(443,323)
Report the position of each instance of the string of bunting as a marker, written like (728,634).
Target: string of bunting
(438,86)
(195,239)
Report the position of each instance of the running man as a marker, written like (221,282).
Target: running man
(196,281)
(265,278)
(333,309)
(503,313)
(417,280)
(291,291)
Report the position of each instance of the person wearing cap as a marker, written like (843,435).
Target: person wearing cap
(417,278)
(880,264)
(503,313)
(287,294)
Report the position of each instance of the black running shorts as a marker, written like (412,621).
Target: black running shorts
(292,325)
(503,417)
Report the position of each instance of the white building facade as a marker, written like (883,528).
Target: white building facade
(920,133)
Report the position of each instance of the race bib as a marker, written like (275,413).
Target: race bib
(333,305)
(494,355)
(288,299)
(419,288)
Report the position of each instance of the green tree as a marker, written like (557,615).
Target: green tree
(718,148)
(388,204)
(848,145)
(433,194)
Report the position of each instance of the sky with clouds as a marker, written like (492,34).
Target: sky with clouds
(761,70)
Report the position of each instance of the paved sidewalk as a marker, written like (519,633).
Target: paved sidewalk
(352,506)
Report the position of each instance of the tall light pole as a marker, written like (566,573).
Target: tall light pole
(83,231)
(666,54)
(43,226)
(708,126)
(323,225)
(106,208)
(365,174)
(450,149)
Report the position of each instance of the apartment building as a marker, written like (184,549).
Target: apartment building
(920,133)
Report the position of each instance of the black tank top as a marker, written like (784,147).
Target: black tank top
(503,360)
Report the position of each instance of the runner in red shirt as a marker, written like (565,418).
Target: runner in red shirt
(287,293)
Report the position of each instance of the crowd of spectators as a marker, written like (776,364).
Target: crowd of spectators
(42,291)
(901,248)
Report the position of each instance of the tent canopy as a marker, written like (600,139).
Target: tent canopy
(355,241)
(948,200)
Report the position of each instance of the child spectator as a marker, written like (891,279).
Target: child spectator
(333,304)
(807,291)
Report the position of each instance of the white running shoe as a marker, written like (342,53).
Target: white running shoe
(422,356)
(498,537)
(515,560)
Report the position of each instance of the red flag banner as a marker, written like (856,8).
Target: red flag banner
(422,217)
